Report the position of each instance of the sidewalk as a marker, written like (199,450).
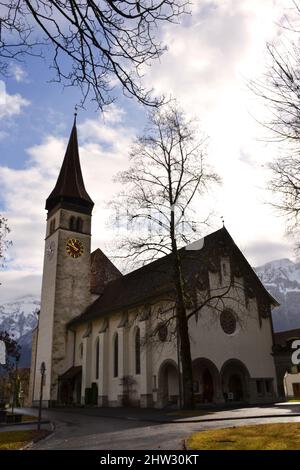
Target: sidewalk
(27,425)
(45,426)
(178,416)
(200,415)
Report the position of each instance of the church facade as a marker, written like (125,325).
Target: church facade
(109,339)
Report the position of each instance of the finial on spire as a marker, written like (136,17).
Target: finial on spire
(223,222)
(75,113)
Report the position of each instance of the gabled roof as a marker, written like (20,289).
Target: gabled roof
(282,338)
(103,271)
(70,187)
(155,279)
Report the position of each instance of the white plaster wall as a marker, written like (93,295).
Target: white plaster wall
(289,379)
(46,319)
(113,386)
(80,330)
(251,344)
(65,294)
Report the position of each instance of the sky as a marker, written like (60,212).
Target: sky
(210,58)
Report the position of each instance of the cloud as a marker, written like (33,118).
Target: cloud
(103,152)
(16,284)
(210,56)
(3,135)
(18,73)
(10,105)
(113,114)
(264,251)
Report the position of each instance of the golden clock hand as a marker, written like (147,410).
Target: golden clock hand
(73,246)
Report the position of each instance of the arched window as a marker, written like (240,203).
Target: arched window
(116,356)
(72,223)
(97,358)
(137,352)
(79,224)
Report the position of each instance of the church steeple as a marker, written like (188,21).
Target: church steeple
(69,191)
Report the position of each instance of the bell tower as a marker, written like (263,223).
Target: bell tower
(66,272)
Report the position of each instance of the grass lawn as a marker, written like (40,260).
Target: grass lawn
(279,436)
(13,440)
(26,418)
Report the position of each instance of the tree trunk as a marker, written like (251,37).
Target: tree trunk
(182,327)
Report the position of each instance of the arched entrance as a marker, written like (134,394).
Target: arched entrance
(69,386)
(207,386)
(235,387)
(235,381)
(168,386)
(66,393)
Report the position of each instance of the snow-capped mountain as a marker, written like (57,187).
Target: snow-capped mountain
(19,318)
(282,279)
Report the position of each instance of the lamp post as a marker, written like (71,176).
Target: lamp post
(42,370)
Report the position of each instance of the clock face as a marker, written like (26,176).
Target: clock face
(50,250)
(74,247)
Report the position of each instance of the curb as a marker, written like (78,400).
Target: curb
(41,438)
(24,423)
(235,418)
(190,421)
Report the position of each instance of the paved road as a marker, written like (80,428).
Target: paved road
(86,430)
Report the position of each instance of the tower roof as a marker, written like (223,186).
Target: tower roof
(69,189)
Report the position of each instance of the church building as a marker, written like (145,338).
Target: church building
(108,339)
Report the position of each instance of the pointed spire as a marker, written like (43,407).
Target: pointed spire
(69,190)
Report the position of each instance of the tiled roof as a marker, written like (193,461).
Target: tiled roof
(283,337)
(154,279)
(103,271)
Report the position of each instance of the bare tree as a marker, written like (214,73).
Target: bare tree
(279,89)
(285,183)
(4,242)
(9,370)
(168,170)
(94,43)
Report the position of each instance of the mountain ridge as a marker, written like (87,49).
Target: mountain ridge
(281,277)
(19,318)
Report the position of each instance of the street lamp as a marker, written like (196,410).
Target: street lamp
(42,370)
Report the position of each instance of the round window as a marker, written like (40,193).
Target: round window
(162,332)
(228,322)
